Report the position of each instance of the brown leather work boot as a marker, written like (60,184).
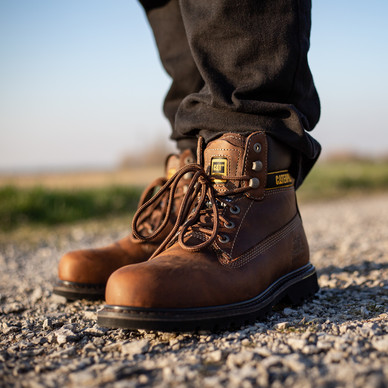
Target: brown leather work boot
(240,250)
(83,273)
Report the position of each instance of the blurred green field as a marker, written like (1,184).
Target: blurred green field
(335,179)
(40,205)
(44,206)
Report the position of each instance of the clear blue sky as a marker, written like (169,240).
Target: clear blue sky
(80,79)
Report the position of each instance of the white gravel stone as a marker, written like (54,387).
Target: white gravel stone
(381,344)
(297,343)
(287,311)
(215,356)
(295,363)
(92,315)
(281,325)
(95,331)
(135,347)
(64,335)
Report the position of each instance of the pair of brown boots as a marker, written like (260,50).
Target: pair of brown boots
(219,244)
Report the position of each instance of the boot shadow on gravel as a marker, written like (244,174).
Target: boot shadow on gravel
(365,266)
(352,293)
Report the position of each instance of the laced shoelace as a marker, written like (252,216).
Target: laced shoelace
(150,220)
(199,208)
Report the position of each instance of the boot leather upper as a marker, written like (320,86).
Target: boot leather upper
(94,266)
(259,240)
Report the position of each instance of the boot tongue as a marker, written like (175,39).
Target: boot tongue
(175,162)
(172,165)
(225,157)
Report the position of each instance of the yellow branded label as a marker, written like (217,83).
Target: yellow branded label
(283,179)
(170,172)
(279,179)
(219,166)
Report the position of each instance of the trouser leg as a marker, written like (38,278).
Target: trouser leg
(166,22)
(252,56)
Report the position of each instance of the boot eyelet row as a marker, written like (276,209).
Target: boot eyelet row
(223,239)
(257,147)
(229,225)
(235,210)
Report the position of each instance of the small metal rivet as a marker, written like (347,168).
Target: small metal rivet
(257,147)
(189,160)
(257,166)
(254,183)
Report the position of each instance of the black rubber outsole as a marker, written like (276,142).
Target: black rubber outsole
(74,291)
(293,288)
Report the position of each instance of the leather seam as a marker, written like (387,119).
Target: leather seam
(233,137)
(238,230)
(277,191)
(264,245)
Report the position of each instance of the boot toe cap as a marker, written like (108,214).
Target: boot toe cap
(163,282)
(77,267)
(133,286)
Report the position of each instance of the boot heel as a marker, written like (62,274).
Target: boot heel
(304,289)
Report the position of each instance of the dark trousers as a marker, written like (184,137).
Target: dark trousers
(238,66)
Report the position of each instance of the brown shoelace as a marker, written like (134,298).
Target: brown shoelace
(152,217)
(199,208)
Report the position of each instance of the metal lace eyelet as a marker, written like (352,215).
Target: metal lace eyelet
(223,239)
(257,147)
(235,209)
(229,224)
(189,160)
(257,166)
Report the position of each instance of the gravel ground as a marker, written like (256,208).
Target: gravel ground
(339,339)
